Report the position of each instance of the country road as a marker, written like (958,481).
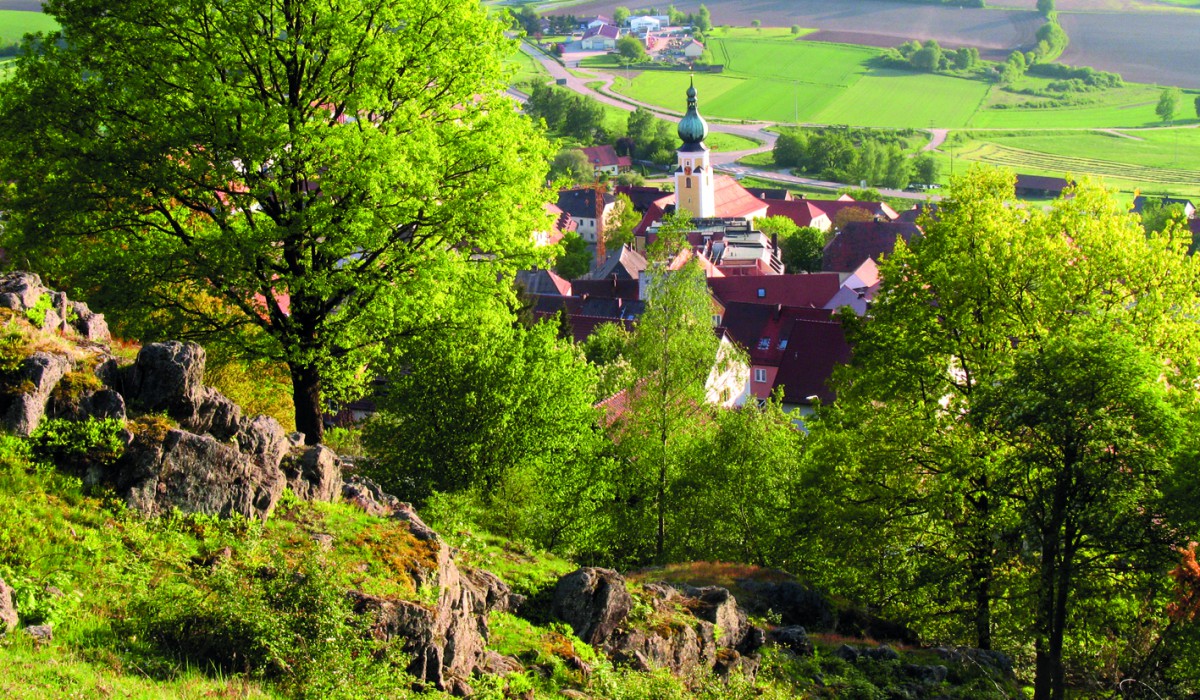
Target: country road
(726,161)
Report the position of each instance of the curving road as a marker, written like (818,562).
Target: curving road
(724,161)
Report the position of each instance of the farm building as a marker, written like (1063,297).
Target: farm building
(1141,201)
(600,38)
(641,25)
(693,49)
(1040,186)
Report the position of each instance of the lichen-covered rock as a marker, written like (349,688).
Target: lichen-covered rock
(315,474)
(593,602)
(368,496)
(446,636)
(168,377)
(197,474)
(794,638)
(8,611)
(494,594)
(105,403)
(38,376)
(718,606)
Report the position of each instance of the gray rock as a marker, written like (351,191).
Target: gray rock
(718,606)
(730,663)
(494,594)
(325,542)
(51,321)
(313,475)
(197,474)
(41,633)
(928,675)
(795,603)
(445,638)
(593,602)
(847,653)
(38,376)
(990,659)
(8,610)
(105,403)
(882,652)
(295,438)
(217,415)
(367,495)
(753,640)
(20,290)
(795,638)
(168,377)
(495,664)
(89,325)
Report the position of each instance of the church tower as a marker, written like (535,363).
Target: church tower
(693,176)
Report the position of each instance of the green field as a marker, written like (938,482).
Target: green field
(526,68)
(1153,160)
(771,76)
(14,25)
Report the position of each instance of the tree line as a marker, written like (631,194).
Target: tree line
(853,155)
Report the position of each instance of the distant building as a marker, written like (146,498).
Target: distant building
(604,160)
(600,38)
(1040,186)
(693,49)
(580,204)
(1141,201)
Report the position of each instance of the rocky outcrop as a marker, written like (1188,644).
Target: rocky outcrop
(685,630)
(34,381)
(8,611)
(197,474)
(367,495)
(445,631)
(22,291)
(313,473)
(794,638)
(594,602)
(168,378)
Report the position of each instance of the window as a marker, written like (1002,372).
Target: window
(716,319)
(764,343)
(783,344)
(761,292)
(760,375)
(688,183)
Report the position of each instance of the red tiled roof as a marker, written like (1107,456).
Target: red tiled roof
(605,156)
(814,349)
(612,288)
(831,207)
(752,324)
(862,240)
(801,211)
(606,30)
(732,200)
(813,290)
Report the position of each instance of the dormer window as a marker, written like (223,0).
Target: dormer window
(783,344)
(761,292)
(764,344)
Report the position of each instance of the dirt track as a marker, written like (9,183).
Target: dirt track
(1152,47)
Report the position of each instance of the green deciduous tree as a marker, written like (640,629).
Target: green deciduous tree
(618,228)
(303,179)
(1013,385)
(1168,103)
(926,169)
(462,413)
(673,350)
(575,259)
(572,164)
(620,15)
(704,19)
(631,49)
(1045,7)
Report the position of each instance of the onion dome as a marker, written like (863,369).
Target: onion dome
(692,128)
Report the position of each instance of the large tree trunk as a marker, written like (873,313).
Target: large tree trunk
(306,396)
(1049,682)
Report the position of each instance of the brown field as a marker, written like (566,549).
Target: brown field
(24,5)
(1143,46)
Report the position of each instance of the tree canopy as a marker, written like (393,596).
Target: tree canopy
(305,179)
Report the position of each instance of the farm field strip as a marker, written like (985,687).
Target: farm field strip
(15,24)
(1018,159)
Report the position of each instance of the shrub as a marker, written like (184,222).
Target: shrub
(77,444)
(293,626)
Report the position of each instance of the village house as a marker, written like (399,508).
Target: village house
(1140,202)
(605,161)
(693,50)
(580,205)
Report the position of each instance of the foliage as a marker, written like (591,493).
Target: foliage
(652,138)
(618,227)
(926,169)
(299,214)
(1045,7)
(573,165)
(800,247)
(567,114)
(1168,103)
(77,444)
(576,258)
(467,412)
(846,155)
(1002,440)
(631,48)
(37,313)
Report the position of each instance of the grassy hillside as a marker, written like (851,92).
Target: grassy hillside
(14,25)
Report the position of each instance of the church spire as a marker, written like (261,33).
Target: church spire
(692,128)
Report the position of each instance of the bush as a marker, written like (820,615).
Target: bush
(78,444)
(293,626)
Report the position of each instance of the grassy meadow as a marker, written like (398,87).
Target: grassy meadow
(772,75)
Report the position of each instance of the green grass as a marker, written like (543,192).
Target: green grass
(718,141)
(891,98)
(525,67)
(14,25)
(1154,160)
